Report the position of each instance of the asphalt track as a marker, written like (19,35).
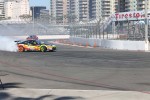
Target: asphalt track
(73,67)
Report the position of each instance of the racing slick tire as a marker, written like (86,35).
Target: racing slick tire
(43,49)
(51,50)
(21,49)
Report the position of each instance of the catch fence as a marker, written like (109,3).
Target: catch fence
(101,29)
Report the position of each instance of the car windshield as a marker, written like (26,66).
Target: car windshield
(39,42)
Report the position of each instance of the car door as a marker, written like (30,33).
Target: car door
(33,45)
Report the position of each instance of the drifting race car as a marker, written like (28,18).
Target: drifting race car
(34,45)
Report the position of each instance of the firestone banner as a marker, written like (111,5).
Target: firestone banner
(134,15)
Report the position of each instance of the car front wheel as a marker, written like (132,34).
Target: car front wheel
(43,49)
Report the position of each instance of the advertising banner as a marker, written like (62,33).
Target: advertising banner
(134,15)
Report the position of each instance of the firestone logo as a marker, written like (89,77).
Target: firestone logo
(134,15)
(129,15)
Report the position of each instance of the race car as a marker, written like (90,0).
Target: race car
(34,45)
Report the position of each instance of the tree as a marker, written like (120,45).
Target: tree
(26,17)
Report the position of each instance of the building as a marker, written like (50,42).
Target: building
(65,12)
(2,12)
(56,11)
(128,5)
(44,12)
(132,5)
(141,4)
(108,8)
(44,16)
(116,5)
(36,11)
(101,9)
(68,11)
(95,10)
(78,10)
(16,8)
(72,11)
(85,10)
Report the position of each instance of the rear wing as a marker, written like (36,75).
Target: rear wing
(17,41)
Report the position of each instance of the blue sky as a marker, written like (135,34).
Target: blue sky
(40,3)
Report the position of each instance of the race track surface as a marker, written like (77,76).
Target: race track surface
(76,68)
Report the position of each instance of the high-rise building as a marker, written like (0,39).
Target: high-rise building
(116,5)
(129,5)
(65,13)
(132,5)
(69,10)
(56,11)
(36,11)
(141,4)
(102,8)
(78,10)
(85,10)
(108,8)
(15,8)
(2,12)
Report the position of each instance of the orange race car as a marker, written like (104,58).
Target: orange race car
(34,45)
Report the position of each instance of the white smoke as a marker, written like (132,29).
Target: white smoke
(8,44)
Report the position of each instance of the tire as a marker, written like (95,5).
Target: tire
(21,49)
(43,49)
(53,49)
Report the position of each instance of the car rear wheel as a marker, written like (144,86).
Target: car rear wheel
(21,49)
(43,49)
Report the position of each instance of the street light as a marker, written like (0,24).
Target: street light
(33,18)
(146,26)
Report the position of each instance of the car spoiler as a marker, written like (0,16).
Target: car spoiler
(17,41)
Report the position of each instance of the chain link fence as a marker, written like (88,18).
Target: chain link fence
(101,29)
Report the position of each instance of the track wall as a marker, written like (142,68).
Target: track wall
(112,44)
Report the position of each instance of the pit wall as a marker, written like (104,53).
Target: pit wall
(111,44)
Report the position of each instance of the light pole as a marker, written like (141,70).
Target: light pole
(33,18)
(146,26)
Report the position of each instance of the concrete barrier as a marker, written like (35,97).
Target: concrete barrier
(112,44)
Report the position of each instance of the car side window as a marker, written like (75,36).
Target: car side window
(25,42)
(33,42)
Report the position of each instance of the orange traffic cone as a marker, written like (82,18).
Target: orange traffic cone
(87,44)
(95,45)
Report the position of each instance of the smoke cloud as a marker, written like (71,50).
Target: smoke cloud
(8,44)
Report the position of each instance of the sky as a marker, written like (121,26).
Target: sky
(40,3)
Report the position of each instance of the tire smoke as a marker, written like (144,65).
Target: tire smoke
(8,44)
